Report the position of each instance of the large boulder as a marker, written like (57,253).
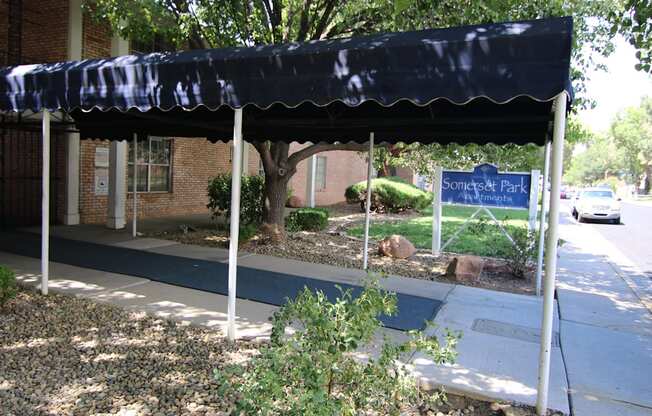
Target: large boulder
(396,246)
(465,269)
(294,202)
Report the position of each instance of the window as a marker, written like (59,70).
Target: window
(261,168)
(153,165)
(320,179)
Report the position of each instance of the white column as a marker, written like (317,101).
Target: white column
(134,216)
(551,253)
(542,222)
(117,185)
(71,215)
(436,210)
(117,161)
(236,173)
(75,30)
(367,208)
(311,176)
(45,205)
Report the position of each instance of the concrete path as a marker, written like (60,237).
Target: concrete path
(498,352)
(606,327)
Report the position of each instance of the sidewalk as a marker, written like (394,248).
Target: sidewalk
(606,328)
(498,353)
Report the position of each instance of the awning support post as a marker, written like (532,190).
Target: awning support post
(370,164)
(436,211)
(45,205)
(236,173)
(551,253)
(542,222)
(134,219)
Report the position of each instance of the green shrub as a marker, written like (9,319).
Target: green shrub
(313,371)
(247,231)
(391,194)
(251,197)
(307,219)
(522,254)
(8,286)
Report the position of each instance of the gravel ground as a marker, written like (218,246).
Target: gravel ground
(63,355)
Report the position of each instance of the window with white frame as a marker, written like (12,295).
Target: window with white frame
(261,168)
(153,164)
(320,174)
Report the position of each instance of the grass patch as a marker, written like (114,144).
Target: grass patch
(481,237)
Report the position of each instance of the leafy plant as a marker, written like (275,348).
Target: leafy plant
(522,254)
(307,219)
(312,370)
(251,197)
(247,231)
(391,194)
(8,286)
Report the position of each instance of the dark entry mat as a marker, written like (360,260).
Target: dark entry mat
(253,284)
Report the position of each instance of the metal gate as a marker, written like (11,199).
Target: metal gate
(20,177)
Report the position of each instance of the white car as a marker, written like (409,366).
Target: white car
(596,204)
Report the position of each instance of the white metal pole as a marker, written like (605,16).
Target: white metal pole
(551,253)
(45,205)
(544,209)
(134,216)
(370,164)
(436,210)
(236,174)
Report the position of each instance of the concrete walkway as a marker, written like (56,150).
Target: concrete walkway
(606,326)
(498,353)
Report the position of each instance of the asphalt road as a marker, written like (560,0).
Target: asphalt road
(633,237)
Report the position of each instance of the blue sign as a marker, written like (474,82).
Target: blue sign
(485,186)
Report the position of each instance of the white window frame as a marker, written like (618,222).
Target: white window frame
(149,165)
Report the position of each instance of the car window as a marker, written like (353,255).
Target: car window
(597,194)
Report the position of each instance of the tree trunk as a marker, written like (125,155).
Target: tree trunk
(275,198)
(647,185)
(277,176)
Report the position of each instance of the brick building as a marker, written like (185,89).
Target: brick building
(92,179)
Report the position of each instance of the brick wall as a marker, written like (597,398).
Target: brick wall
(45,30)
(343,168)
(194,162)
(4,26)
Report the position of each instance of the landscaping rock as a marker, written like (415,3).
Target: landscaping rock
(294,202)
(465,269)
(397,247)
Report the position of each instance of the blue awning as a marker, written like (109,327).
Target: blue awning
(484,83)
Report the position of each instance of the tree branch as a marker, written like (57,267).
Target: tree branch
(306,152)
(265,155)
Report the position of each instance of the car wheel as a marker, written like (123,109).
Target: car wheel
(616,221)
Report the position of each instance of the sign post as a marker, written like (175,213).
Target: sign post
(436,210)
(534,201)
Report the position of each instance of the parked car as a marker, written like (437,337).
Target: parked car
(563,194)
(596,204)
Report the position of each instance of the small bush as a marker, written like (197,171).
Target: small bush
(251,197)
(522,254)
(390,194)
(313,371)
(8,286)
(247,232)
(307,219)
